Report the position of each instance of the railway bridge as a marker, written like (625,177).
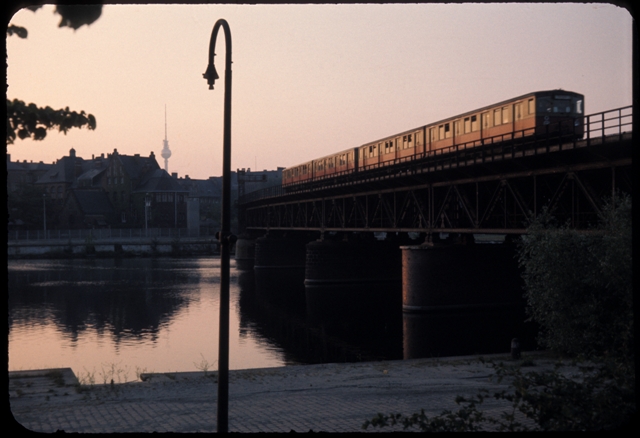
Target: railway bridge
(469,188)
(321,235)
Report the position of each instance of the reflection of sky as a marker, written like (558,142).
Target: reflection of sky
(181,336)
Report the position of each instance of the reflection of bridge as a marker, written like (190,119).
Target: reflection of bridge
(491,188)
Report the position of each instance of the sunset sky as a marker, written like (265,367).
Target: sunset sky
(308,80)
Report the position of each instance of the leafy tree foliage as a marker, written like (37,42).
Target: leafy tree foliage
(579,286)
(31,121)
(24,121)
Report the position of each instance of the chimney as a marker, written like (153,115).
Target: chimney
(174,175)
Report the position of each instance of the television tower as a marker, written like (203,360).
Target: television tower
(166,153)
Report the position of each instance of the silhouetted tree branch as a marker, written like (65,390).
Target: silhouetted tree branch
(29,120)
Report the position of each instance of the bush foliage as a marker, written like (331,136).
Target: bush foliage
(579,286)
(597,397)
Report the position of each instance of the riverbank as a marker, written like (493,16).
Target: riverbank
(301,398)
(151,247)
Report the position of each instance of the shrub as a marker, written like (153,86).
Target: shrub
(578,286)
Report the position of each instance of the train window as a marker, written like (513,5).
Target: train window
(579,106)
(467,125)
(505,115)
(474,123)
(532,106)
(497,117)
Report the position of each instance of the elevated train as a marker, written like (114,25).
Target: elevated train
(537,113)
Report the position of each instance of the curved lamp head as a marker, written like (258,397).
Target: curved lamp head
(211,75)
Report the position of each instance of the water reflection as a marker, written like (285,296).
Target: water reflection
(284,324)
(154,314)
(162,315)
(131,301)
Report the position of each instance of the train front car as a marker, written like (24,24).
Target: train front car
(560,112)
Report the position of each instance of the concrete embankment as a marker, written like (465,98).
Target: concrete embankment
(111,247)
(302,398)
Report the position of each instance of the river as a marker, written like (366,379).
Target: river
(138,314)
(118,317)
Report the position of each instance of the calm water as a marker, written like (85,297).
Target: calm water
(137,314)
(134,315)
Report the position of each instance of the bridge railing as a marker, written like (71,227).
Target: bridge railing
(95,235)
(560,135)
(607,123)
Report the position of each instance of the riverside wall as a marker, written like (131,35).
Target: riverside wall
(112,248)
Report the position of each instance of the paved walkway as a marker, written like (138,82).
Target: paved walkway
(319,398)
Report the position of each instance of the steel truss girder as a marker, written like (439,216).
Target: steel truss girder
(490,204)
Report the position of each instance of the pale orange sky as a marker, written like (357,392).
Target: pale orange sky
(308,80)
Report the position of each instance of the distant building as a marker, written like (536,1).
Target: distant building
(87,209)
(204,197)
(251,181)
(125,191)
(123,176)
(23,173)
(62,175)
(168,200)
(22,193)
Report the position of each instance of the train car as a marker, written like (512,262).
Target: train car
(298,174)
(539,113)
(392,149)
(338,163)
(556,112)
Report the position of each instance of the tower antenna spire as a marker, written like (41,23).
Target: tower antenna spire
(166,153)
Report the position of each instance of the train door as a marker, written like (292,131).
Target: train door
(419,142)
(457,131)
(485,123)
(433,136)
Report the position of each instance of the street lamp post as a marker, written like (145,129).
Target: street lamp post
(225,234)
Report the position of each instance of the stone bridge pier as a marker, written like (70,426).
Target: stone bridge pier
(353,283)
(279,265)
(461,299)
